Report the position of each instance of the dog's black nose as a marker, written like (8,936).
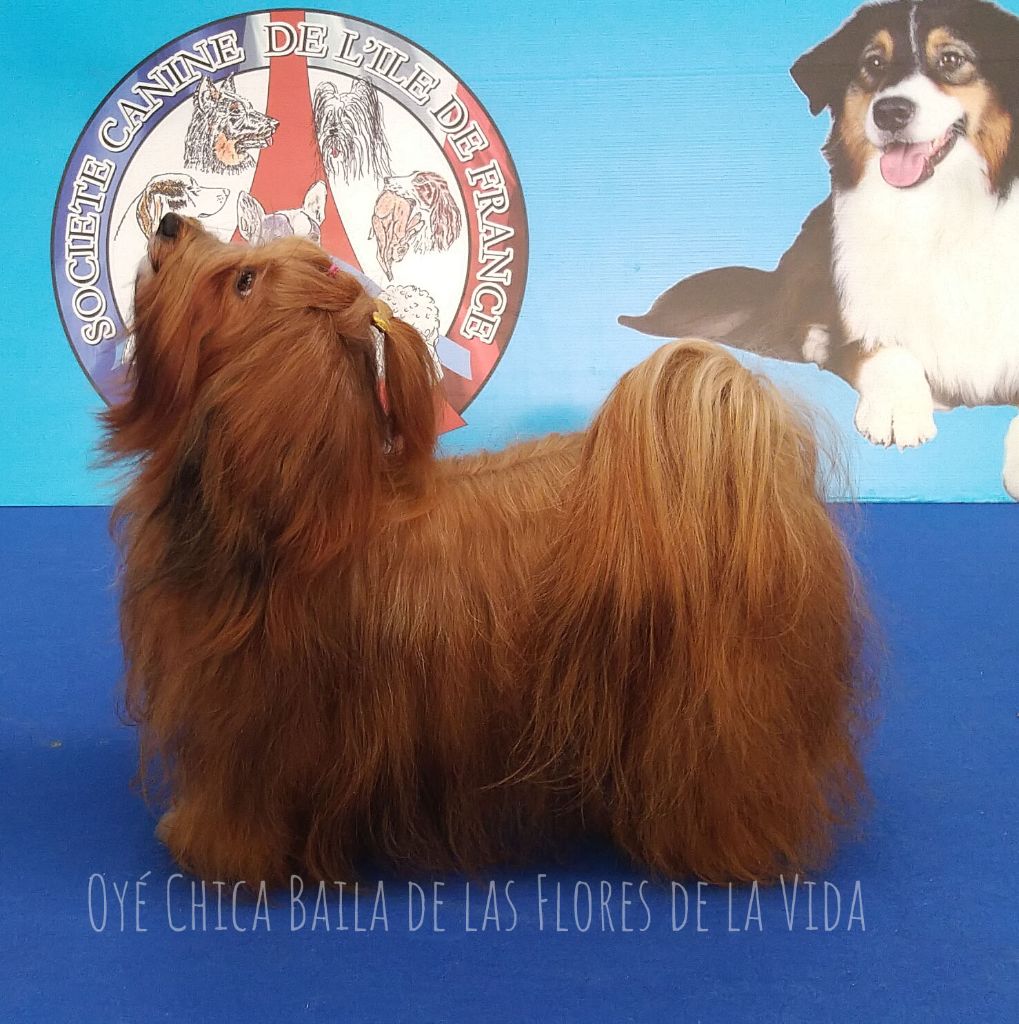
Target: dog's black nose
(169,226)
(893,113)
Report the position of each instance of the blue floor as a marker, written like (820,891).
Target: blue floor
(927,930)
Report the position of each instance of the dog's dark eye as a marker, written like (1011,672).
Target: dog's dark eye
(245,282)
(950,60)
(873,63)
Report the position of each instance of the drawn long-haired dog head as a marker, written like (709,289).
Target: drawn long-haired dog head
(414,212)
(350,131)
(232,341)
(430,193)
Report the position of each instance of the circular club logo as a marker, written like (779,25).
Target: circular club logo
(300,123)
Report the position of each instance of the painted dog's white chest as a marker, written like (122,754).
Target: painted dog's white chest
(935,270)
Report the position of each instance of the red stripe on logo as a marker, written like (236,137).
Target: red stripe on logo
(291,165)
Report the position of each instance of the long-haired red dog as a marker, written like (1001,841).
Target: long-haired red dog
(344,651)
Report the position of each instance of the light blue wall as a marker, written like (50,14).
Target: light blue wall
(652,140)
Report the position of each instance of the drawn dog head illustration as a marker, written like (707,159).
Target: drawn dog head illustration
(350,131)
(225,128)
(912,85)
(416,307)
(257,227)
(173,192)
(169,192)
(416,211)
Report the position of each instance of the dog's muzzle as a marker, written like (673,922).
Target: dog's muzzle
(167,230)
(893,113)
(169,227)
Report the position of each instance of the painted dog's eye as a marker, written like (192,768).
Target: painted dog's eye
(951,60)
(245,281)
(873,63)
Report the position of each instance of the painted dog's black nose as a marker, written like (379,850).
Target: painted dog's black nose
(893,113)
(169,226)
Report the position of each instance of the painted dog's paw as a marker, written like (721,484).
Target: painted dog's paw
(896,405)
(1010,473)
(903,424)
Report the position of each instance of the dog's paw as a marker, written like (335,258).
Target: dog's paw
(896,406)
(164,827)
(211,847)
(1010,474)
(904,424)
(168,832)
(817,345)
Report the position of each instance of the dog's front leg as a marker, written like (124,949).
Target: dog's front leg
(896,406)
(219,848)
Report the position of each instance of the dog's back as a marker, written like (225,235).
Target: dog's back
(618,629)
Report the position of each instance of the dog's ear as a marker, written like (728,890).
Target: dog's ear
(996,32)
(446,222)
(823,74)
(250,215)
(169,337)
(206,94)
(412,396)
(315,202)
(151,206)
(325,92)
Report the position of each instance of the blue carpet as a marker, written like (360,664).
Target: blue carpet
(927,929)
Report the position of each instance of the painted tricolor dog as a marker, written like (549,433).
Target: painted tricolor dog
(904,281)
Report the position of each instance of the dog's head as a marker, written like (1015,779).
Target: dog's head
(916,84)
(256,366)
(430,192)
(237,125)
(257,227)
(349,130)
(176,193)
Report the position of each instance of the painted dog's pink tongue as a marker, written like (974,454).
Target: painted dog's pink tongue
(903,165)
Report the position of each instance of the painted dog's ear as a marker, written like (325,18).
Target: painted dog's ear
(250,216)
(150,209)
(998,34)
(206,94)
(823,74)
(315,202)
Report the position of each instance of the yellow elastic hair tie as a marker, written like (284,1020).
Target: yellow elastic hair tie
(382,316)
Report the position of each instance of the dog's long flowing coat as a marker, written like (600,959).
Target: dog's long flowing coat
(342,650)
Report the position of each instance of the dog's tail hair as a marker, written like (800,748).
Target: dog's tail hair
(700,631)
